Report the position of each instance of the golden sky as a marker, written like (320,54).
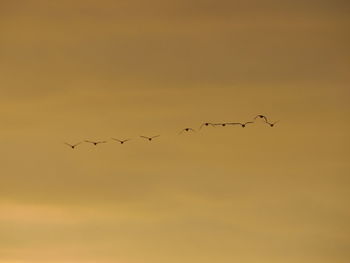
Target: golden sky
(76,70)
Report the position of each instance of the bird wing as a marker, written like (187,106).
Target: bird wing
(155,136)
(76,144)
(144,137)
(234,123)
(248,122)
(68,144)
(89,141)
(261,116)
(116,140)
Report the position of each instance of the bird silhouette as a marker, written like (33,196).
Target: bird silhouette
(95,143)
(186,130)
(261,117)
(72,145)
(271,123)
(121,141)
(149,138)
(206,124)
(240,123)
(223,124)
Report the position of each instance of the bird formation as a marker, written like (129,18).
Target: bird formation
(184,130)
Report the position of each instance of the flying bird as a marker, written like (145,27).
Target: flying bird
(220,124)
(95,143)
(149,138)
(186,130)
(206,124)
(261,117)
(72,145)
(121,141)
(240,123)
(271,123)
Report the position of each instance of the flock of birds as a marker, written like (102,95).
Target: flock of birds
(242,124)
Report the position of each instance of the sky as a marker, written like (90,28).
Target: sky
(91,70)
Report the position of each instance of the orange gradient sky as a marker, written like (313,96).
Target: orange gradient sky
(76,70)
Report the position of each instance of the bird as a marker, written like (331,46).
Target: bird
(271,123)
(121,141)
(206,124)
(240,123)
(72,145)
(95,143)
(186,130)
(149,138)
(261,117)
(220,124)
